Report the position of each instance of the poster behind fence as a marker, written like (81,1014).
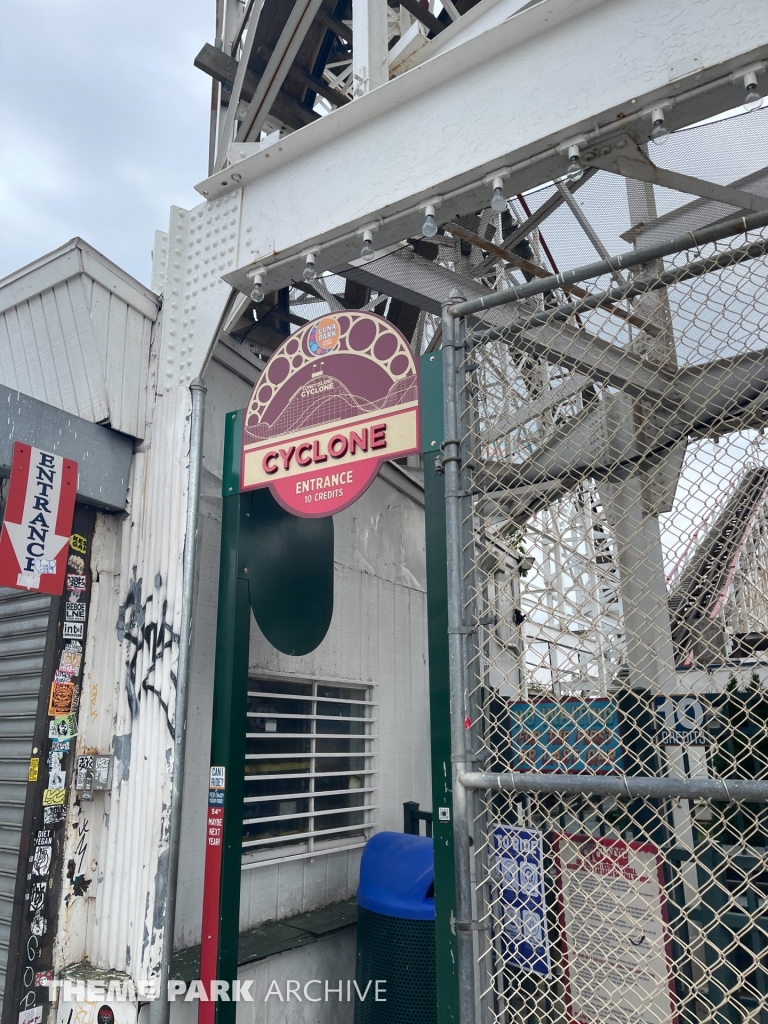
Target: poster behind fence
(566,736)
(522,908)
(616,954)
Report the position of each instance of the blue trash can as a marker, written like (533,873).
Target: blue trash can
(396,931)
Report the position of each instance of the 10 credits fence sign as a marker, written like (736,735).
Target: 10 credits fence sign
(37,521)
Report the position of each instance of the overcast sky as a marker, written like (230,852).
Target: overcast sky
(103,123)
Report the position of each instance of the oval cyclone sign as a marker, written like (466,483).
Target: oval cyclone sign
(336,399)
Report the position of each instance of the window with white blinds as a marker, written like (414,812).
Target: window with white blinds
(308,767)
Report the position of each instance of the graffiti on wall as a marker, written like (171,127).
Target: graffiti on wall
(147,640)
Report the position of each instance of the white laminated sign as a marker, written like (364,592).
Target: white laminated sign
(615,944)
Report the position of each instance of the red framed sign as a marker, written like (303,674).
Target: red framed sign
(338,397)
(617,959)
(37,521)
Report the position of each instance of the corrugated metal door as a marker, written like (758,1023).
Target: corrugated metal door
(23,628)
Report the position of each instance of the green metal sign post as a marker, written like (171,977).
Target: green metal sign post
(221,898)
(439,697)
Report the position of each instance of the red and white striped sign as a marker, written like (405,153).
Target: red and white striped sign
(38,520)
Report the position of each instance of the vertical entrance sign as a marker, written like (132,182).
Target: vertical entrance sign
(337,398)
(37,521)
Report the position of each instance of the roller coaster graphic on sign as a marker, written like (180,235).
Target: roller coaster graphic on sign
(337,398)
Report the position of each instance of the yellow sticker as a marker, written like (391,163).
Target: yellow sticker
(34,768)
(54,797)
(78,543)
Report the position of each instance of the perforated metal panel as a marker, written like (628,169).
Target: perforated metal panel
(401,954)
(23,626)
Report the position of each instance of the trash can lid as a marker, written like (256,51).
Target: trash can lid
(397,876)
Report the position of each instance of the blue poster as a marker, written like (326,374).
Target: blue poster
(522,907)
(577,736)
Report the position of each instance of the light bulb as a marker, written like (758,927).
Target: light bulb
(257,292)
(309,270)
(752,98)
(367,252)
(575,170)
(498,202)
(659,133)
(429,227)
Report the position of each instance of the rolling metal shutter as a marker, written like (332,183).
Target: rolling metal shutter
(23,628)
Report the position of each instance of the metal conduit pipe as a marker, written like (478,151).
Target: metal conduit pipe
(636,787)
(451,458)
(633,258)
(160,1009)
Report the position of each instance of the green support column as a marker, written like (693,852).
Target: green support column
(230,703)
(439,699)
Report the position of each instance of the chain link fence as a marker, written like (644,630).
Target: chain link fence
(606,485)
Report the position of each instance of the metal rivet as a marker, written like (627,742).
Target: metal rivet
(230,488)
(431,359)
(433,443)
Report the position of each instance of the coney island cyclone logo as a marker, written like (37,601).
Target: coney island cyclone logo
(335,400)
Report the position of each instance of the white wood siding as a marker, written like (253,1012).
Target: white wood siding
(75,333)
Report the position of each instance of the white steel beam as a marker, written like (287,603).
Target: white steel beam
(504,102)
(370,53)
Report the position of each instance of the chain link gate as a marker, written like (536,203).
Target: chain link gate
(608,604)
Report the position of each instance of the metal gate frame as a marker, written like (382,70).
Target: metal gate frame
(462,634)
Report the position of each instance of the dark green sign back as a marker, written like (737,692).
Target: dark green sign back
(289,565)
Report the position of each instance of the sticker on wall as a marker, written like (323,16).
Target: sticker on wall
(33,1015)
(71,658)
(75,582)
(62,727)
(75,611)
(100,767)
(39,926)
(76,564)
(41,858)
(37,897)
(53,797)
(336,399)
(54,815)
(78,543)
(61,699)
(34,769)
(73,631)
